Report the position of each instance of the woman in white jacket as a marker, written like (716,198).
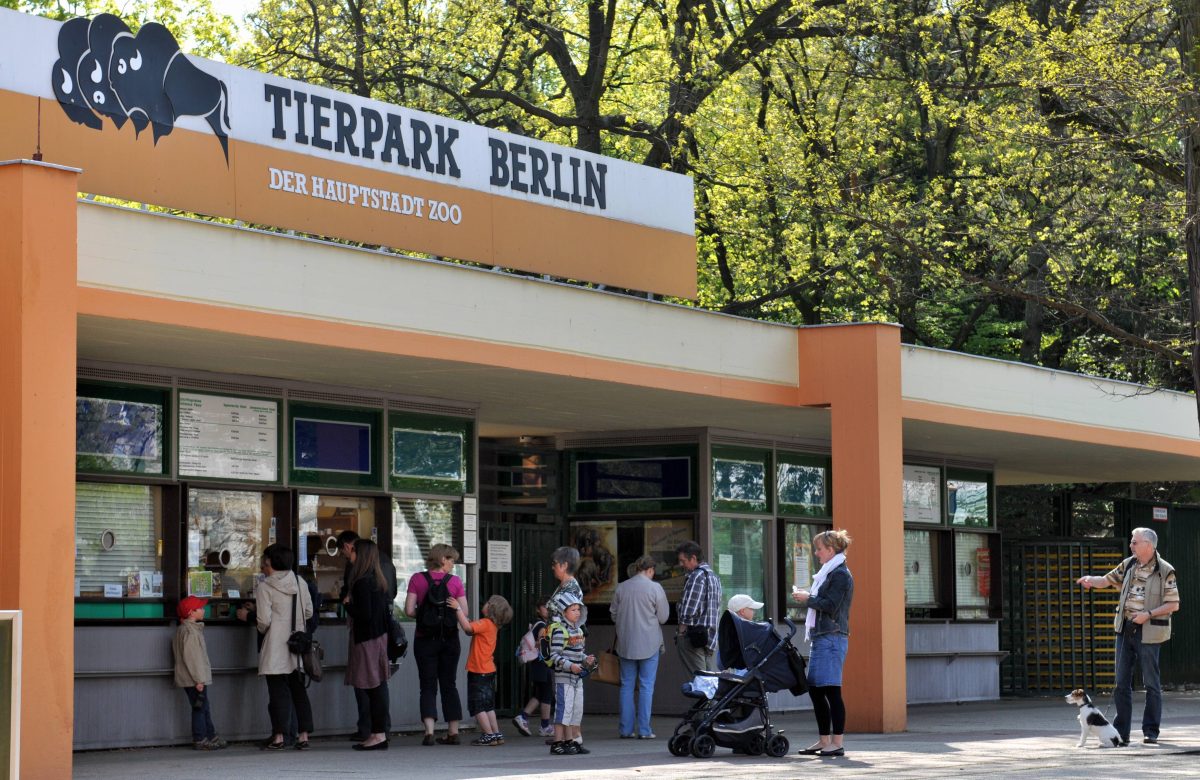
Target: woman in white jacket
(276,597)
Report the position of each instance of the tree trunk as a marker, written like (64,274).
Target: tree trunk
(1189,60)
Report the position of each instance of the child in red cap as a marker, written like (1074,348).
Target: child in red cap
(193,672)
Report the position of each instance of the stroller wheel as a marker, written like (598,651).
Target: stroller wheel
(757,745)
(703,746)
(777,746)
(680,744)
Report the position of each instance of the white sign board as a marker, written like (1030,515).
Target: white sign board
(922,494)
(228,438)
(499,557)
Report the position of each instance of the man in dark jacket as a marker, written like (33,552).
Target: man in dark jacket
(346,540)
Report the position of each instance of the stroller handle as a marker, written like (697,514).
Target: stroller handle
(791,627)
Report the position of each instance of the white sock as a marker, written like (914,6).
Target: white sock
(579,739)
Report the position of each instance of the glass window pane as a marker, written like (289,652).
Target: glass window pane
(226,529)
(609,548)
(922,494)
(799,564)
(113,435)
(802,488)
(738,548)
(427,454)
(967,502)
(322,518)
(972,575)
(117,534)
(920,570)
(417,525)
(740,480)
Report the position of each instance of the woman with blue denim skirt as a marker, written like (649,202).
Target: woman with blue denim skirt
(827,628)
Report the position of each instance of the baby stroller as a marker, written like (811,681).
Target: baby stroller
(737,716)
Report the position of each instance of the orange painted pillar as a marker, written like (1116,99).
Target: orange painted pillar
(37,449)
(855,371)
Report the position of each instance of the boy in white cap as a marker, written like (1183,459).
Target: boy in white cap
(743,606)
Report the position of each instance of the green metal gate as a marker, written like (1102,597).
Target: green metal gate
(519,504)
(1058,636)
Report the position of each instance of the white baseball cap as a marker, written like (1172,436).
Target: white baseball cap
(741,601)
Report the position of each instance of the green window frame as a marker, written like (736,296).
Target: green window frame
(436,435)
(634,505)
(95,402)
(800,476)
(970,498)
(741,479)
(336,414)
(739,558)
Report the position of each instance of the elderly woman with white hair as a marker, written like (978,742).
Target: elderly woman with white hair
(1149,595)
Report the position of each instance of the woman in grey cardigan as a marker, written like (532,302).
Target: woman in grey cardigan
(639,609)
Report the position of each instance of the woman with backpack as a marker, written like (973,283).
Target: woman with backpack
(436,646)
(367,667)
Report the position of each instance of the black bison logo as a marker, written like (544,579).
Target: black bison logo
(104,70)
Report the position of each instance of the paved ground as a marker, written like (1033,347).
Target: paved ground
(1023,738)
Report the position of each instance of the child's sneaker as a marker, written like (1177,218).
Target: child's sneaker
(483,740)
(522,725)
(562,749)
(497,739)
(546,731)
(579,750)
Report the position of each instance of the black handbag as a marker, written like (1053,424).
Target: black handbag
(697,636)
(397,646)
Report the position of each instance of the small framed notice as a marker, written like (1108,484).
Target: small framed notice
(470,555)
(499,557)
(470,522)
(113,590)
(470,505)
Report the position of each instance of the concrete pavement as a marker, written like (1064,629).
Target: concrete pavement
(1032,738)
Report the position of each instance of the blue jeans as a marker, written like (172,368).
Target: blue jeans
(202,725)
(1131,651)
(642,672)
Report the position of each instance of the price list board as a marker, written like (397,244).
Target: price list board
(221,437)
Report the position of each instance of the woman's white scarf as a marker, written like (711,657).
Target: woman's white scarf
(810,620)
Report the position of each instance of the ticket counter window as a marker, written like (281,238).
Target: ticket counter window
(923,596)
(118,541)
(738,556)
(322,518)
(609,548)
(227,531)
(417,525)
(799,564)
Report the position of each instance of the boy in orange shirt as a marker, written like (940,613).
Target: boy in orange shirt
(481,666)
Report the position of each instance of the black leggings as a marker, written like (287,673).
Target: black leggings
(829,709)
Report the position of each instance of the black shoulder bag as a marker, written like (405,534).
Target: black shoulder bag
(303,645)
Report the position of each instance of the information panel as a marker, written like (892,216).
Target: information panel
(228,438)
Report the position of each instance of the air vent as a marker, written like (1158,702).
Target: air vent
(631,441)
(742,441)
(335,398)
(431,407)
(230,387)
(124,377)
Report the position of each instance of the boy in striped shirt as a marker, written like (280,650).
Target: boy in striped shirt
(571,664)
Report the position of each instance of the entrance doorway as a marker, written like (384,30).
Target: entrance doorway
(519,506)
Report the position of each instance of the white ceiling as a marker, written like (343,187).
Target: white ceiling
(514,402)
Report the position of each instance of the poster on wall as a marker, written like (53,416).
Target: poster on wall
(597,572)
(228,438)
(922,494)
(112,435)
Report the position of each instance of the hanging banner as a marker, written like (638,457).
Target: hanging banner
(147,122)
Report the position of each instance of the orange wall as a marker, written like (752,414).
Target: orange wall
(855,371)
(37,450)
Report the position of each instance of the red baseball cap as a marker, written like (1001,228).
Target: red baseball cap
(190,604)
